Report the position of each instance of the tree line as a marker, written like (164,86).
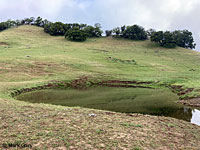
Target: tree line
(80,32)
(167,39)
(75,31)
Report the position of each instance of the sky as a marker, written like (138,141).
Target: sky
(157,14)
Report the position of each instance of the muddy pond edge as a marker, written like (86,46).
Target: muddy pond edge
(85,82)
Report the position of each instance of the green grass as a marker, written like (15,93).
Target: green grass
(54,58)
(32,58)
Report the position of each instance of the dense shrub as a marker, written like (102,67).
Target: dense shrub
(135,32)
(76,34)
(165,39)
(116,31)
(150,32)
(38,22)
(57,28)
(93,31)
(3,26)
(184,39)
(108,32)
(79,32)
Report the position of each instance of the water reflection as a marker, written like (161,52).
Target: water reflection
(161,102)
(183,113)
(195,117)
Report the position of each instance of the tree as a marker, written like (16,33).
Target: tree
(38,22)
(168,40)
(56,29)
(123,28)
(165,39)
(3,26)
(93,31)
(45,22)
(157,37)
(184,39)
(76,34)
(47,28)
(18,22)
(108,32)
(117,31)
(29,21)
(76,25)
(97,30)
(135,32)
(10,23)
(82,26)
(150,32)
(97,25)
(32,20)
(90,31)
(22,22)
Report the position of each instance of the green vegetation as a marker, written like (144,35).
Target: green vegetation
(108,32)
(172,39)
(134,32)
(184,39)
(80,32)
(76,34)
(165,39)
(56,29)
(29,57)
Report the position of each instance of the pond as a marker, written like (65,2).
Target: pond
(160,102)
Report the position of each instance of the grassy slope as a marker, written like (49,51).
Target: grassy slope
(33,57)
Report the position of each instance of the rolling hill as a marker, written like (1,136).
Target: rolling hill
(30,57)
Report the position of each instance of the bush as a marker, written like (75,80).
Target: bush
(92,31)
(3,26)
(55,29)
(108,32)
(150,32)
(184,39)
(38,22)
(135,32)
(165,39)
(76,34)
(117,31)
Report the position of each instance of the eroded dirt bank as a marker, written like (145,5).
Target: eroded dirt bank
(84,82)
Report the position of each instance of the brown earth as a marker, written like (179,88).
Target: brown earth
(55,127)
(191,102)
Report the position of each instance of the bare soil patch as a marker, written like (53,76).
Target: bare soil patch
(53,127)
(3,44)
(191,102)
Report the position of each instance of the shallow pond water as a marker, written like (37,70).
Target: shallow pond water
(160,102)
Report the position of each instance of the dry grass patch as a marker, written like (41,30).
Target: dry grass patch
(53,127)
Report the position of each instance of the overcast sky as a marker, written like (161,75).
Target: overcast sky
(157,14)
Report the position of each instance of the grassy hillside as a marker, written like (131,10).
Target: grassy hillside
(30,57)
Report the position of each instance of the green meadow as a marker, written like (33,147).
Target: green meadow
(29,57)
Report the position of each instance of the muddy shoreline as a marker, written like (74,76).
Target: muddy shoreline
(189,101)
(85,82)
(194,102)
